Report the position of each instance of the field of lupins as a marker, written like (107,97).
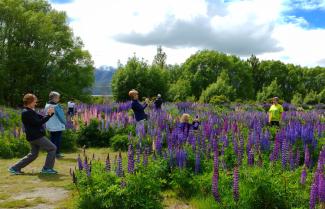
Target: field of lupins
(234,160)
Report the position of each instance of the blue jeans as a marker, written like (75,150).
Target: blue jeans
(56,138)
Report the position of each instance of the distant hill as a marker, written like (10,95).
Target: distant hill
(103,80)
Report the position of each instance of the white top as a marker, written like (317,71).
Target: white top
(71,104)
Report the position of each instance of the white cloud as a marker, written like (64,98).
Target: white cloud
(185,26)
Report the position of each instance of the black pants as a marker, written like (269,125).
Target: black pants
(275,123)
(55,138)
(71,111)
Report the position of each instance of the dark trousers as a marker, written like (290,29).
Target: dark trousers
(36,145)
(56,138)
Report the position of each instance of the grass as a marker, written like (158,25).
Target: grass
(32,179)
(22,203)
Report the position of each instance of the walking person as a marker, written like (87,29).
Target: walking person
(275,112)
(56,124)
(35,134)
(158,102)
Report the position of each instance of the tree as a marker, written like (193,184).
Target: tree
(179,91)
(269,91)
(137,74)
(38,53)
(220,88)
(160,58)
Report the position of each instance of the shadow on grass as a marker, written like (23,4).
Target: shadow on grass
(51,177)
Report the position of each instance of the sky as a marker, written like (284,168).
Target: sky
(292,31)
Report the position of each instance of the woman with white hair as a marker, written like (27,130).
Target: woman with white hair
(56,124)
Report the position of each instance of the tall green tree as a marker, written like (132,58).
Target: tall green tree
(38,53)
(160,58)
(137,74)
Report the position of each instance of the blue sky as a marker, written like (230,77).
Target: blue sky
(314,17)
(289,30)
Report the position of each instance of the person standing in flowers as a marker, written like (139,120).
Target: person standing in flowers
(56,125)
(35,134)
(185,125)
(138,109)
(158,102)
(275,112)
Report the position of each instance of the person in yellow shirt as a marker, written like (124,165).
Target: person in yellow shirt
(275,112)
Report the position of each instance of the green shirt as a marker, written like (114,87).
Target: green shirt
(275,112)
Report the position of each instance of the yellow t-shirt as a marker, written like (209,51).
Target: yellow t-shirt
(275,112)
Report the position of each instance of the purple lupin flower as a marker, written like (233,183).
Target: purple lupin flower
(145,157)
(215,173)
(87,167)
(284,153)
(297,158)
(236,184)
(251,157)
(108,164)
(303,176)
(307,156)
(79,163)
(130,159)
(275,154)
(119,169)
(313,196)
(321,188)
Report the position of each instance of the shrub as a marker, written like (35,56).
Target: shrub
(120,142)
(91,136)
(10,147)
(69,140)
(103,190)
(218,100)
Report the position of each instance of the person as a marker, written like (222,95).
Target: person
(185,125)
(275,112)
(196,123)
(35,134)
(138,108)
(158,102)
(56,124)
(71,106)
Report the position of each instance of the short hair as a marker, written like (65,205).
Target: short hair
(28,99)
(53,94)
(133,92)
(276,98)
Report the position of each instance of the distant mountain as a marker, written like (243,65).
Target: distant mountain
(103,80)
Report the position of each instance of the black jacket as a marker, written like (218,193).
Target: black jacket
(138,110)
(158,103)
(33,123)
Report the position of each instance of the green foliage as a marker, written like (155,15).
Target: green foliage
(10,147)
(91,136)
(217,100)
(221,87)
(183,183)
(311,98)
(321,96)
(179,91)
(297,99)
(103,190)
(136,74)
(69,140)
(120,142)
(39,53)
(269,91)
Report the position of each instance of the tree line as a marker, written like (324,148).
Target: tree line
(214,77)
(39,53)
